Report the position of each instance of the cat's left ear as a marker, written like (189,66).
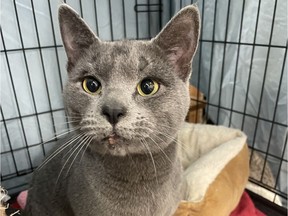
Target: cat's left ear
(179,40)
(75,33)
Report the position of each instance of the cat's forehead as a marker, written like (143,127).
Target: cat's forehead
(128,58)
(123,53)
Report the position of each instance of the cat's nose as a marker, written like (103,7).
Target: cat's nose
(113,113)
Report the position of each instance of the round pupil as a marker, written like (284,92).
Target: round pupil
(92,85)
(147,86)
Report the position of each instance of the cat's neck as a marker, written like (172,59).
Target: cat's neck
(140,167)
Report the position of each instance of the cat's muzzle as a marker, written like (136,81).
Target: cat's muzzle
(112,140)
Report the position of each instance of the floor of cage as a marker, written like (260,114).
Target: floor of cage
(266,206)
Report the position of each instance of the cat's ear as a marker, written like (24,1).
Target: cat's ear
(179,40)
(75,33)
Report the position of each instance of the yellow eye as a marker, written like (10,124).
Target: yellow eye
(147,87)
(91,85)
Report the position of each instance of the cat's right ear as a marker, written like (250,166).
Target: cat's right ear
(75,33)
(179,40)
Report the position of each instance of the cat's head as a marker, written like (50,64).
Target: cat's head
(129,97)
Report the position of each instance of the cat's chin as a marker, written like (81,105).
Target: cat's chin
(111,145)
(123,147)
(116,145)
(121,143)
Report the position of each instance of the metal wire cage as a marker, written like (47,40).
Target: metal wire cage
(240,66)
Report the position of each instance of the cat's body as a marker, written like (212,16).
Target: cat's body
(95,186)
(127,100)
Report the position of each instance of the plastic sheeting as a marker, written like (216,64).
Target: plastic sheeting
(247,79)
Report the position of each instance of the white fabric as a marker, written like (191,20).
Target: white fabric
(205,150)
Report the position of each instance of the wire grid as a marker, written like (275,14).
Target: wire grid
(151,11)
(257,117)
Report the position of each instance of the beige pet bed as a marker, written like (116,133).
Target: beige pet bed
(216,167)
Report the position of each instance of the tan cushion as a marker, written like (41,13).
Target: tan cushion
(224,191)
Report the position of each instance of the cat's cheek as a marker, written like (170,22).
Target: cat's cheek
(76,100)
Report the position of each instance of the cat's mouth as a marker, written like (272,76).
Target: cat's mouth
(112,140)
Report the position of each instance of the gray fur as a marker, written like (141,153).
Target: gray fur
(139,173)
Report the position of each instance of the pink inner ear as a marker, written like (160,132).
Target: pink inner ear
(175,54)
(70,49)
(69,43)
(68,38)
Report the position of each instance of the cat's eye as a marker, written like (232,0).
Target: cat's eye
(147,87)
(91,85)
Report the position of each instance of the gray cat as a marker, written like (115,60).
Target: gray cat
(127,100)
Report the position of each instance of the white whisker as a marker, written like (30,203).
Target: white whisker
(59,150)
(151,155)
(71,149)
(87,145)
(169,137)
(161,149)
(83,144)
(62,133)
(63,167)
